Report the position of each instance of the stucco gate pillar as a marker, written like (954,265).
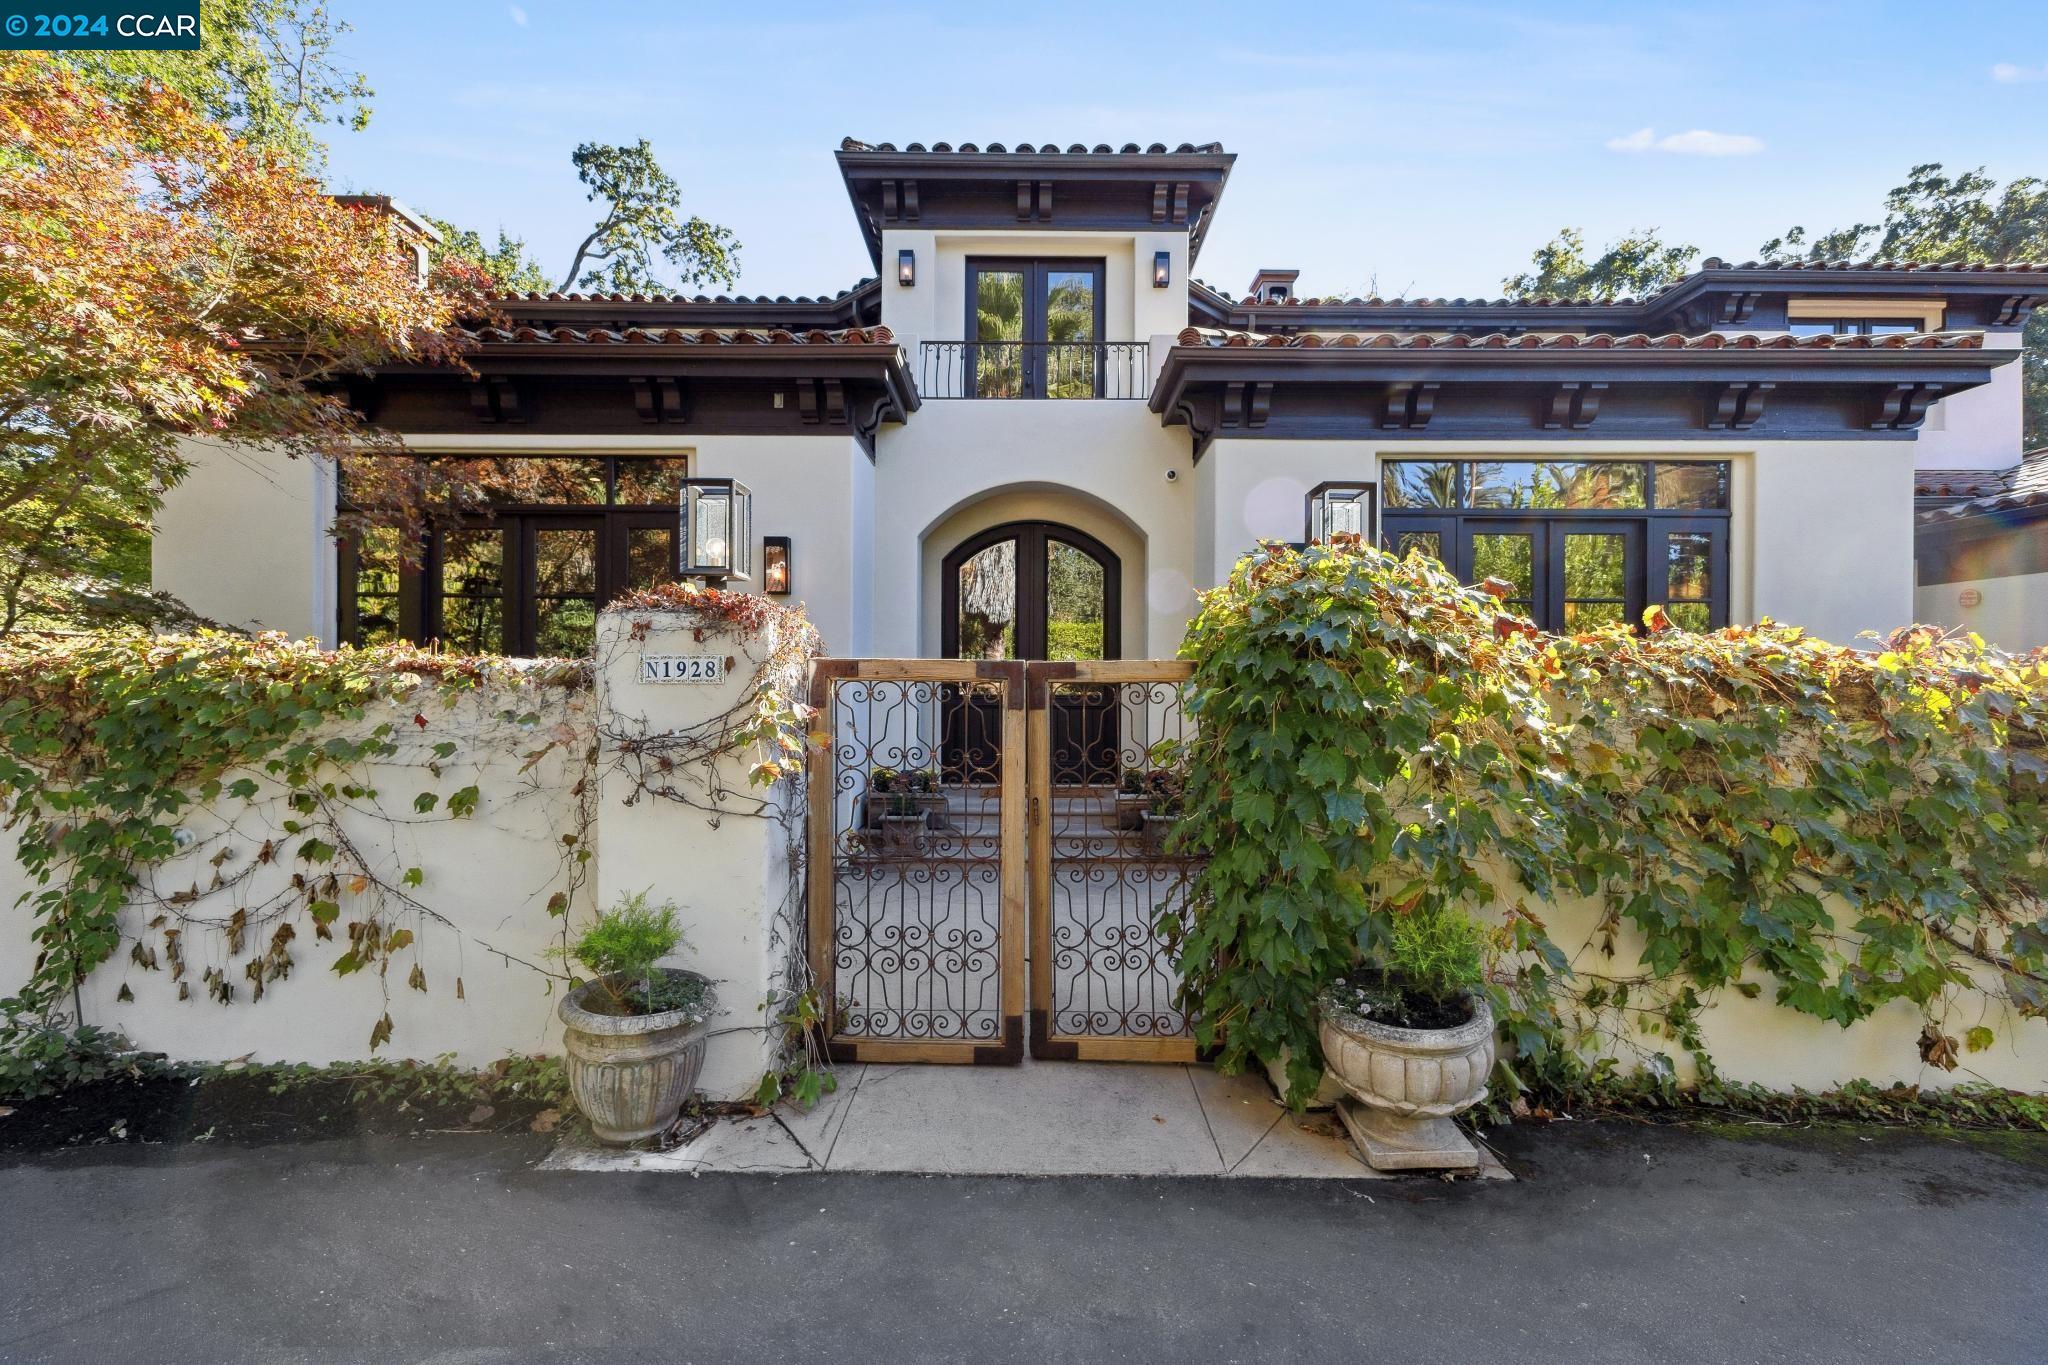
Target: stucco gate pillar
(693,829)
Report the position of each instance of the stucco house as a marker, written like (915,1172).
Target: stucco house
(1035,435)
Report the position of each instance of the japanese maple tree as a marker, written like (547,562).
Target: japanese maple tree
(162,279)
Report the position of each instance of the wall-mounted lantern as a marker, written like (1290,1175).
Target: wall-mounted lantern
(1339,509)
(717,533)
(1162,269)
(775,565)
(906,267)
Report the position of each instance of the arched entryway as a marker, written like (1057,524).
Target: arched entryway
(1031,590)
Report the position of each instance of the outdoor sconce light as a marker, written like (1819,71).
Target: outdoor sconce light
(775,565)
(906,267)
(1339,509)
(1162,269)
(716,540)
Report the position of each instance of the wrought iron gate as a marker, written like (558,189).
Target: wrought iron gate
(919,829)
(1106,771)
(917,874)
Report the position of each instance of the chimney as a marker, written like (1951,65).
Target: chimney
(414,233)
(1272,286)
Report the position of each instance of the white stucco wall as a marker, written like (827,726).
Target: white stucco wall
(935,307)
(243,539)
(489,874)
(2011,613)
(1100,465)
(1820,533)
(1981,428)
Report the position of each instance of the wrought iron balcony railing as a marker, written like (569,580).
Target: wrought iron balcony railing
(1034,369)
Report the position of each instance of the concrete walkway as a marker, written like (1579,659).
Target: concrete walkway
(1040,1118)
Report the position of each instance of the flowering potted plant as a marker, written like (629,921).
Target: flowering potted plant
(1409,1035)
(633,1031)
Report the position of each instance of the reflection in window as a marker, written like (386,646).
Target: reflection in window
(523,480)
(1512,559)
(564,591)
(1693,486)
(999,330)
(473,591)
(650,555)
(1419,542)
(377,587)
(988,603)
(1689,579)
(1070,326)
(1586,485)
(1074,593)
(1420,483)
(1595,579)
(650,481)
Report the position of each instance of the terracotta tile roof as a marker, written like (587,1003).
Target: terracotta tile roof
(1044,149)
(677,336)
(1332,301)
(1917,267)
(1567,341)
(756,299)
(1712,263)
(1940,495)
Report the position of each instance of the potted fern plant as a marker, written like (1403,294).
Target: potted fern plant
(1409,1035)
(634,1030)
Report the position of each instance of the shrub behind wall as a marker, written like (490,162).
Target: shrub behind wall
(1834,828)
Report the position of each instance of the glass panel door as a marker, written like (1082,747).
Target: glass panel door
(560,610)
(469,616)
(1076,600)
(1595,569)
(1515,552)
(996,306)
(1071,300)
(1689,572)
(986,604)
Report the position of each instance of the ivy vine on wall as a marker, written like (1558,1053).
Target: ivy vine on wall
(123,756)
(1842,828)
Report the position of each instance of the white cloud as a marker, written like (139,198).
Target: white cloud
(518,16)
(1694,142)
(2008,74)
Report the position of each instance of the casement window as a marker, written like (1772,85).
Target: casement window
(1863,317)
(1579,542)
(564,535)
(1854,327)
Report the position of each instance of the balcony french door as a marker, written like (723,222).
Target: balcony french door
(1035,328)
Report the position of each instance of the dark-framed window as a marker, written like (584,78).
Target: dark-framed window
(1854,327)
(1034,327)
(564,535)
(1579,542)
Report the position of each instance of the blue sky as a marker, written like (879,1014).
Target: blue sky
(1419,148)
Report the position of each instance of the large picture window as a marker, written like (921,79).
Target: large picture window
(564,535)
(1580,543)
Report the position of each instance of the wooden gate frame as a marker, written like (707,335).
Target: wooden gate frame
(1045,1044)
(821,855)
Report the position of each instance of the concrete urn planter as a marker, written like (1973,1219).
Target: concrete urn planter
(1405,1084)
(630,1073)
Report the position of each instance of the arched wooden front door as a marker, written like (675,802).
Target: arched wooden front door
(1032,590)
(1037,590)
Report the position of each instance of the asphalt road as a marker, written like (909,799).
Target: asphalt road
(1619,1244)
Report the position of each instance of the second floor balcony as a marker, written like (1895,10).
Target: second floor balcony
(1034,369)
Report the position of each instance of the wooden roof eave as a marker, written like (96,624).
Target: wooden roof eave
(1188,367)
